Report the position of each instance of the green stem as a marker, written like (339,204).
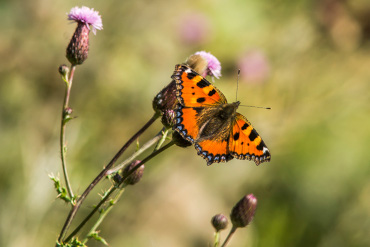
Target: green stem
(147,145)
(231,233)
(103,214)
(160,137)
(102,174)
(161,141)
(149,157)
(217,239)
(63,146)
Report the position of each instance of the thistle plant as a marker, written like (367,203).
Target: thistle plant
(130,171)
(242,214)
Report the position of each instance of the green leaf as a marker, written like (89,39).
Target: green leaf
(95,235)
(61,191)
(74,243)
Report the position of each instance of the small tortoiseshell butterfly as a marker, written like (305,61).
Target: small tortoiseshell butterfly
(204,118)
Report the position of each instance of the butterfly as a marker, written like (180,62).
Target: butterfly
(204,118)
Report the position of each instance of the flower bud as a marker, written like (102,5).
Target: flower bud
(117,178)
(134,177)
(168,118)
(63,70)
(243,212)
(68,111)
(179,140)
(78,48)
(219,222)
(166,99)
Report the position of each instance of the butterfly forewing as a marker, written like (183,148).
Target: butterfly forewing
(186,122)
(195,91)
(246,143)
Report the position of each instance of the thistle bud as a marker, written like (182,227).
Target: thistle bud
(166,99)
(78,48)
(117,178)
(134,177)
(168,118)
(63,70)
(68,111)
(219,222)
(243,212)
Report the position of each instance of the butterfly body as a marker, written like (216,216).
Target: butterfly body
(207,120)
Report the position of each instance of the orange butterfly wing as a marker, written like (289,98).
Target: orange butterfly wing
(199,103)
(195,91)
(246,143)
(214,151)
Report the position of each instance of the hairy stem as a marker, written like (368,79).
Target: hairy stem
(102,174)
(147,145)
(103,214)
(63,146)
(113,188)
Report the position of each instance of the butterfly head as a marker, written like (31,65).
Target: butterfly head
(228,110)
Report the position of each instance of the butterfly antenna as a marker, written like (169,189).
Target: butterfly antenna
(266,108)
(237,85)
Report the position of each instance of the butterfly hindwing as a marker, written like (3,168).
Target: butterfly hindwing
(213,150)
(246,143)
(193,90)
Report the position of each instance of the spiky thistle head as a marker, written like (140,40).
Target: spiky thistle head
(78,48)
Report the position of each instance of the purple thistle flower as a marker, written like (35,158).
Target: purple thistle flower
(78,48)
(214,66)
(87,16)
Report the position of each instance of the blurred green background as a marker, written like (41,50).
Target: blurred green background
(307,60)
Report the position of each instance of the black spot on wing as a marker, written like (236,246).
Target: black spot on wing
(201,100)
(261,145)
(203,83)
(236,136)
(191,75)
(245,126)
(253,135)
(212,92)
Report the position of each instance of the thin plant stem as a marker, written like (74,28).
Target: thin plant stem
(113,188)
(102,174)
(103,215)
(160,137)
(147,145)
(161,141)
(63,146)
(217,239)
(232,231)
